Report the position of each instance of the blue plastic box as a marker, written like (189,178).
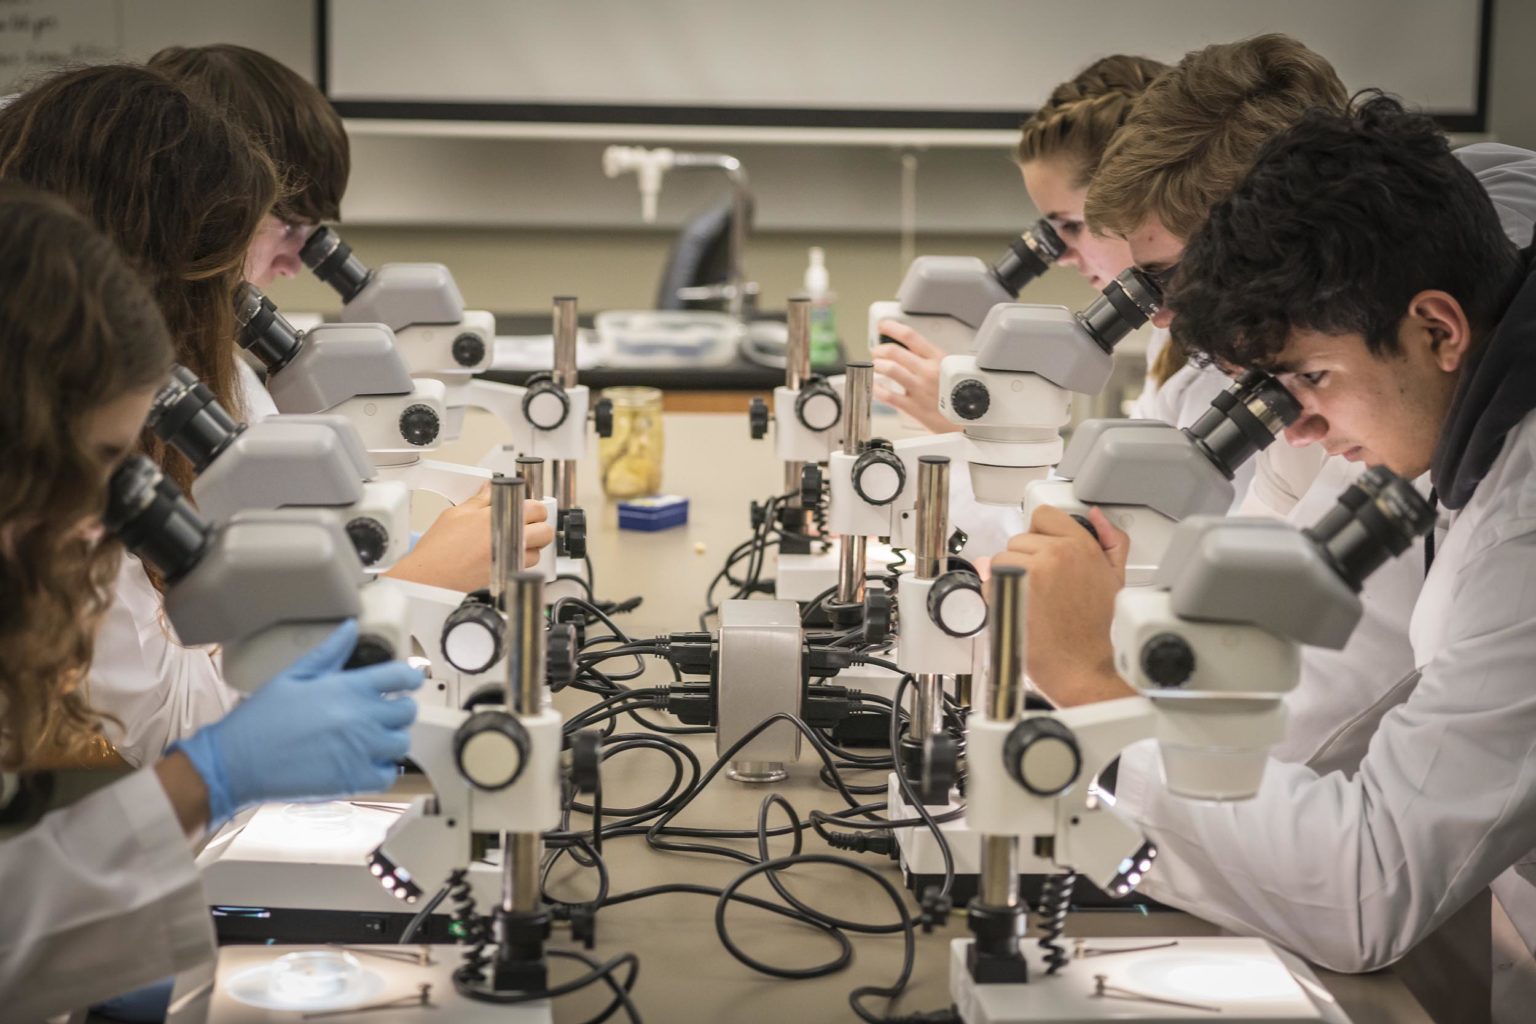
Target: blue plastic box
(651,514)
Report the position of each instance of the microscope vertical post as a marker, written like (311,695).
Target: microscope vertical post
(507,494)
(565,333)
(531,469)
(928,564)
(525,697)
(850,568)
(995,915)
(797,368)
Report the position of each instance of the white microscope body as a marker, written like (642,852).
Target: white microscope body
(946,298)
(1146,475)
(422,305)
(355,370)
(266,585)
(1212,646)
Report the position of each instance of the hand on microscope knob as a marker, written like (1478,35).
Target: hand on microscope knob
(1073,580)
(314,731)
(455,552)
(910,361)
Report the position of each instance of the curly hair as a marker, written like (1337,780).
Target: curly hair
(1083,114)
(179,189)
(1340,222)
(1196,130)
(287,115)
(78,330)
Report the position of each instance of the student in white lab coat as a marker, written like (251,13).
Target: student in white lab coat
(1058,152)
(184,191)
(1363,264)
(102,896)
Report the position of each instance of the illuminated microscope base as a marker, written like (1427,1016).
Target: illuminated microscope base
(297,873)
(1236,981)
(251,987)
(922,865)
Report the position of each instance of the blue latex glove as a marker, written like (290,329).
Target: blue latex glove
(313,731)
(141,1006)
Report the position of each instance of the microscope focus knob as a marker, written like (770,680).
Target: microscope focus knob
(970,399)
(490,748)
(546,405)
(369,538)
(810,485)
(370,650)
(879,615)
(472,634)
(1167,660)
(560,650)
(1041,754)
(572,533)
(878,475)
(468,349)
(956,603)
(419,425)
(818,406)
(757,418)
(602,417)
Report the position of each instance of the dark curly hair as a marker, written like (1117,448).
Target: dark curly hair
(1341,221)
(79,330)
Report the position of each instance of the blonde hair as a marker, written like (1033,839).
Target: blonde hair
(1076,124)
(1196,130)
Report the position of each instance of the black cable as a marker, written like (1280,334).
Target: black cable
(421,916)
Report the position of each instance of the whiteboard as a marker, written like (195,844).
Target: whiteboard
(898,63)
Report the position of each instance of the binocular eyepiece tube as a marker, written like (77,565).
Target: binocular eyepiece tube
(154,520)
(332,262)
(1028,256)
(1375,519)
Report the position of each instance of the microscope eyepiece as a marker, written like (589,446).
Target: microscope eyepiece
(1028,256)
(152,518)
(332,261)
(1243,420)
(187,416)
(262,331)
(1376,519)
(1129,301)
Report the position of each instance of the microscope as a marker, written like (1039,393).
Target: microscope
(266,585)
(313,462)
(494,770)
(947,298)
(1212,647)
(421,303)
(355,370)
(1147,475)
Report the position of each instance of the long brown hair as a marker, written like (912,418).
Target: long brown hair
(285,114)
(179,189)
(78,330)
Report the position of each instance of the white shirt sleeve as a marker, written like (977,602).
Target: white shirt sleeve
(102,897)
(158,690)
(1353,872)
(258,403)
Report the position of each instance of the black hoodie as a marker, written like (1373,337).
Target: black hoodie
(1497,389)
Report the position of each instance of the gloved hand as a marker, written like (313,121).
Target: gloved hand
(313,731)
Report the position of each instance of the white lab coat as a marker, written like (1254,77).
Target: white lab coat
(102,897)
(1343,694)
(1183,398)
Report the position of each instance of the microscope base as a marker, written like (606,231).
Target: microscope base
(242,975)
(1239,981)
(922,865)
(297,873)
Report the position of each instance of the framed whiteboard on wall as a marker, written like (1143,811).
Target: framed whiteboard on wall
(968,64)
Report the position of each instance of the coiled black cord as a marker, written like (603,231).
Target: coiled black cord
(474,930)
(1055,901)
